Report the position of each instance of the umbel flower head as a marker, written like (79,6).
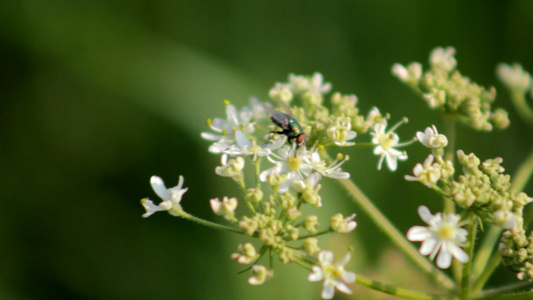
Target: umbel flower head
(444,236)
(334,275)
(444,88)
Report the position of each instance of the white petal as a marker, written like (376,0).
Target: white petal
(211,136)
(425,214)
(316,275)
(428,246)
(180,182)
(345,259)
(325,257)
(159,187)
(459,253)
(231,114)
(444,259)
(328,291)
(348,277)
(392,163)
(344,288)
(351,135)
(417,234)
(150,207)
(218,124)
(242,140)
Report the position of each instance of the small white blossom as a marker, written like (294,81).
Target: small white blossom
(431,138)
(231,168)
(261,274)
(243,120)
(292,165)
(428,174)
(318,165)
(301,84)
(246,254)
(309,189)
(505,219)
(334,275)
(342,132)
(171,197)
(225,208)
(514,77)
(385,142)
(443,59)
(245,147)
(411,74)
(340,224)
(444,236)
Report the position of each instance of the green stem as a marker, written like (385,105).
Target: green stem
(465,283)
(449,129)
(483,256)
(448,205)
(522,176)
(523,109)
(208,223)
(385,225)
(492,293)
(516,296)
(303,237)
(398,292)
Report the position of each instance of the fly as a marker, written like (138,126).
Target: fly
(290,127)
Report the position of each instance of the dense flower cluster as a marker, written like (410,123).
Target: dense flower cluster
(445,88)
(284,144)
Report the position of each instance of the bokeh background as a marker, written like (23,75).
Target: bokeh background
(97,96)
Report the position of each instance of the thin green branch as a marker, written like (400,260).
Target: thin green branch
(483,256)
(398,292)
(465,283)
(209,224)
(522,176)
(491,294)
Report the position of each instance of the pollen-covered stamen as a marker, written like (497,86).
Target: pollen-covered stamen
(294,163)
(446,232)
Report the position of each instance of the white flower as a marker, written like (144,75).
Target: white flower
(246,254)
(302,84)
(171,197)
(242,120)
(385,143)
(431,138)
(309,189)
(514,77)
(319,166)
(225,208)
(261,274)
(341,224)
(412,73)
(334,275)
(246,147)
(342,132)
(428,173)
(505,219)
(443,58)
(231,168)
(444,236)
(292,165)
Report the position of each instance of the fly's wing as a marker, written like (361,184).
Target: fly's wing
(281,119)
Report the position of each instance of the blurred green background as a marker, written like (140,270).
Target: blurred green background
(97,96)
